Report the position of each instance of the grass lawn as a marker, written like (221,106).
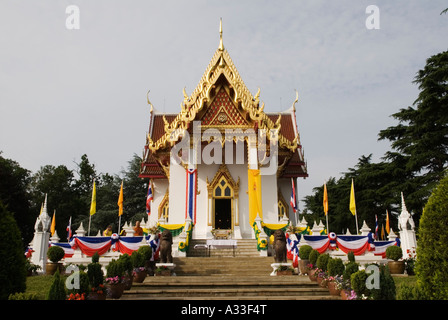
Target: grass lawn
(39,285)
(409,280)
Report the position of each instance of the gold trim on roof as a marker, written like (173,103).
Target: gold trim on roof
(220,64)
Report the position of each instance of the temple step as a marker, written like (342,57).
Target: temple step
(228,287)
(244,248)
(220,265)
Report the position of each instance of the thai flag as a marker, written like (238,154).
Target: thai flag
(69,230)
(293,197)
(190,207)
(149,198)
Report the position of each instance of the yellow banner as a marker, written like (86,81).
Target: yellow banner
(93,202)
(254,191)
(120,201)
(352,199)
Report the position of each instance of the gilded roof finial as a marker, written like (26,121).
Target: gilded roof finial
(221,45)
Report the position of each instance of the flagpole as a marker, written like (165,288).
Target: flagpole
(88,230)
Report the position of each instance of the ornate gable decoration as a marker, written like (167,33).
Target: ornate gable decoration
(244,107)
(222,112)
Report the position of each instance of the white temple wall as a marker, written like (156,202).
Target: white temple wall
(269,198)
(177,189)
(285,188)
(159,188)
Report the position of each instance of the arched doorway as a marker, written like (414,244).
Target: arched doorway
(223,198)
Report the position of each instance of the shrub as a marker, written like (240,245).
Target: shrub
(351,256)
(314,254)
(322,261)
(395,253)
(350,268)
(432,252)
(83,283)
(12,266)
(114,269)
(358,283)
(95,274)
(137,259)
(335,267)
(22,296)
(146,251)
(387,290)
(304,252)
(55,254)
(57,289)
(126,263)
(96,257)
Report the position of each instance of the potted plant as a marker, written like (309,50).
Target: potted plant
(314,254)
(31,268)
(284,271)
(395,253)
(163,271)
(304,254)
(410,262)
(335,268)
(138,263)
(146,251)
(114,279)
(54,254)
(96,279)
(126,262)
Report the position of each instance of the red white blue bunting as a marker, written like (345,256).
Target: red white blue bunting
(357,244)
(381,246)
(90,245)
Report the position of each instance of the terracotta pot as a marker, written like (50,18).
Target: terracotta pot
(127,281)
(321,282)
(284,273)
(140,276)
(344,295)
(50,267)
(303,266)
(115,291)
(396,267)
(332,288)
(312,275)
(165,273)
(96,296)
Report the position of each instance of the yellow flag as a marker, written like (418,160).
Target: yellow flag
(387,222)
(93,202)
(382,232)
(120,201)
(254,191)
(53,223)
(352,199)
(325,199)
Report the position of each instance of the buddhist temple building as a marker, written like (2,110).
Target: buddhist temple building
(222,161)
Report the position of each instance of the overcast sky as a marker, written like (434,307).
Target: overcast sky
(67,92)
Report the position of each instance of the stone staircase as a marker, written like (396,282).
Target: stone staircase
(245,248)
(226,274)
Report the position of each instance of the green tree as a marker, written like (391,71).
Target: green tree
(420,140)
(58,184)
(12,266)
(432,252)
(14,193)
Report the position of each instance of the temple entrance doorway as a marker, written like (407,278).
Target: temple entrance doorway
(223,213)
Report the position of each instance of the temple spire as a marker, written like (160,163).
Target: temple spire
(221,45)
